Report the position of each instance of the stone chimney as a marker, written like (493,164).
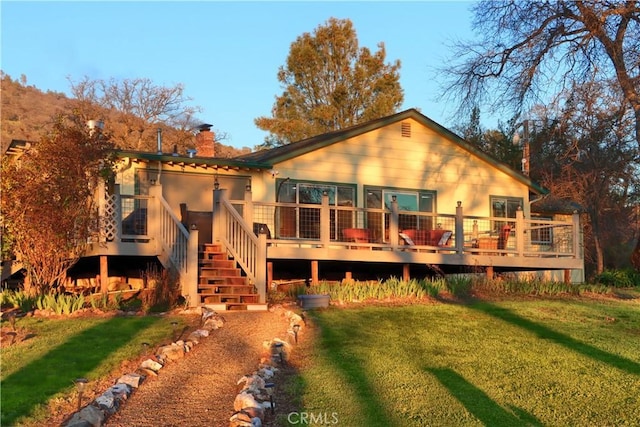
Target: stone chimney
(205,140)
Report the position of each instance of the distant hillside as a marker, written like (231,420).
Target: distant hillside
(27,112)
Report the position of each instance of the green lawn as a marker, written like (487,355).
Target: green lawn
(573,362)
(53,352)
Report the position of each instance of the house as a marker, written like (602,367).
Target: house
(398,196)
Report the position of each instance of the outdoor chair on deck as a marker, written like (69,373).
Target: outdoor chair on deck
(357,235)
(436,237)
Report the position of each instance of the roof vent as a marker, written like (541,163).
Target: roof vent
(406,129)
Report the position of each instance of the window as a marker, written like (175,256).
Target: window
(408,201)
(305,222)
(504,207)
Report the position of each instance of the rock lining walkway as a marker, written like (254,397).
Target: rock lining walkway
(200,389)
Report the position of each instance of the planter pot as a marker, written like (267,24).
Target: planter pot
(313,301)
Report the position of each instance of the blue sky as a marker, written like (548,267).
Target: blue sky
(226,54)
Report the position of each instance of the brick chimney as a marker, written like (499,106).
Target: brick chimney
(205,140)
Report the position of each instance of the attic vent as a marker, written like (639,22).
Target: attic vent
(406,130)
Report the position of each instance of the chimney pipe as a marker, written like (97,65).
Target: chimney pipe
(159,141)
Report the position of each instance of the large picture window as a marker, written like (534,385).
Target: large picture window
(408,201)
(304,222)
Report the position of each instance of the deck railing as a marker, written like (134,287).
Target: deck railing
(297,224)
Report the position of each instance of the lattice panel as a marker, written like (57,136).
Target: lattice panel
(109,221)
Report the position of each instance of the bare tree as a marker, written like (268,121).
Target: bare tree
(47,205)
(527,48)
(331,83)
(141,108)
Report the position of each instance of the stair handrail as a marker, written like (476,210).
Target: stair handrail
(243,245)
(180,245)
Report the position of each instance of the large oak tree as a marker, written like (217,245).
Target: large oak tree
(527,51)
(331,83)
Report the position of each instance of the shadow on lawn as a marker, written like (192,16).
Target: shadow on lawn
(547,333)
(372,407)
(56,370)
(478,403)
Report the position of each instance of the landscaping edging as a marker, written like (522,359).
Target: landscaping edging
(256,394)
(100,409)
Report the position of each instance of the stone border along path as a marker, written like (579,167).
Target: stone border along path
(251,402)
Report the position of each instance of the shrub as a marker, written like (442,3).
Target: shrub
(618,278)
(164,292)
(459,286)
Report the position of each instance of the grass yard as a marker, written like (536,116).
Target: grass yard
(52,353)
(538,362)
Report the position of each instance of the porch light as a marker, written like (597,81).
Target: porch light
(248,187)
(194,226)
(459,203)
(216,184)
(81,383)
(270,387)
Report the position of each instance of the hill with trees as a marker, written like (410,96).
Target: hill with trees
(27,113)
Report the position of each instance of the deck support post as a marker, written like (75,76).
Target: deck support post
(520,232)
(217,227)
(247,211)
(577,236)
(190,287)
(394,223)
(406,276)
(567,276)
(104,274)
(490,272)
(459,228)
(325,220)
(348,276)
(269,275)
(314,273)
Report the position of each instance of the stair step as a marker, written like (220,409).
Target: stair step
(212,255)
(229,298)
(229,280)
(217,263)
(226,286)
(237,306)
(217,291)
(215,271)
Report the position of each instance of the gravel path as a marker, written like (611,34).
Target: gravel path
(200,389)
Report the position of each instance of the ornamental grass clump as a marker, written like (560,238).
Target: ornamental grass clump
(459,285)
(356,291)
(18,299)
(60,303)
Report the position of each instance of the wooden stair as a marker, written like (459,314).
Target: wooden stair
(221,284)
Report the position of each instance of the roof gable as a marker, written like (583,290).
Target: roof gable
(296,149)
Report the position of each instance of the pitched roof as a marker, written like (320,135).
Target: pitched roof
(295,149)
(222,162)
